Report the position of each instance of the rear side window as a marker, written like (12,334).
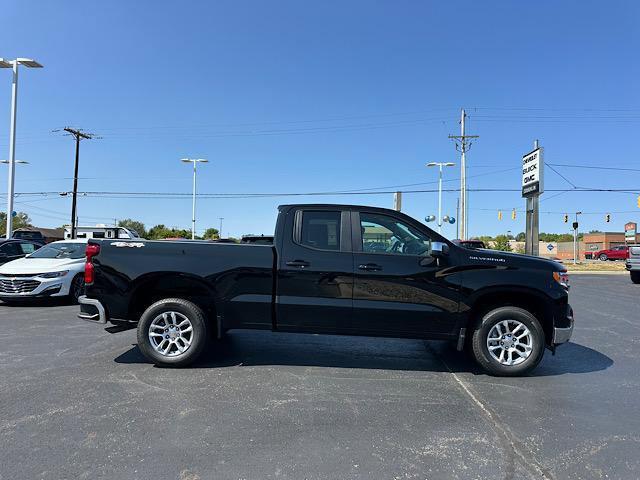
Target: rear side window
(320,230)
(27,248)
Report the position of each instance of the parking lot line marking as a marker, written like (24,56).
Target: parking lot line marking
(511,447)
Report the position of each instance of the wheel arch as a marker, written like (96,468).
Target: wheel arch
(157,286)
(529,299)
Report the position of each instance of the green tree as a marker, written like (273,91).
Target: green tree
(501,243)
(486,239)
(521,237)
(211,234)
(133,225)
(21,220)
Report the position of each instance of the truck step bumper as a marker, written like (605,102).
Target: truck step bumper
(91,310)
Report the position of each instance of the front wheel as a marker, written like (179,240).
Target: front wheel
(77,288)
(635,277)
(508,341)
(172,332)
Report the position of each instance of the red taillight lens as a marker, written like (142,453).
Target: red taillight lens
(89,270)
(92,250)
(88,273)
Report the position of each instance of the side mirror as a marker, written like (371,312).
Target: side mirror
(439,249)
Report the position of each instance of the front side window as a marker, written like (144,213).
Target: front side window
(385,234)
(321,230)
(10,249)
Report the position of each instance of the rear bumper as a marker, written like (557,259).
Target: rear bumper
(92,310)
(563,334)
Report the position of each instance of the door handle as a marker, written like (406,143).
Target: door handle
(371,267)
(298,263)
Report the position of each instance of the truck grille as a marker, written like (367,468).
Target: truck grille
(17,286)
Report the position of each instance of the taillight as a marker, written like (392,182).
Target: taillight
(89,270)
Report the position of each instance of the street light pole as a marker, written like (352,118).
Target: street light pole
(220,231)
(193,209)
(440,165)
(13,64)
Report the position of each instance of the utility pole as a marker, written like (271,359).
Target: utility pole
(78,134)
(220,231)
(463,144)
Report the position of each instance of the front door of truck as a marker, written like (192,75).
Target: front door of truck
(315,271)
(399,287)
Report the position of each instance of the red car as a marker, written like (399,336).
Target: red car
(621,252)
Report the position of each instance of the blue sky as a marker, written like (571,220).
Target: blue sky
(291,96)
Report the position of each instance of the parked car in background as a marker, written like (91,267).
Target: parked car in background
(473,244)
(12,249)
(55,270)
(257,239)
(633,263)
(42,235)
(620,252)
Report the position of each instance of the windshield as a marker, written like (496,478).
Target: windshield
(60,250)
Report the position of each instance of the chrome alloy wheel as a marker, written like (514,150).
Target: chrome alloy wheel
(510,342)
(171,334)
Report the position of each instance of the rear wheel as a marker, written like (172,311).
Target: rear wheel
(603,257)
(508,341)
(172,332)
(635,277)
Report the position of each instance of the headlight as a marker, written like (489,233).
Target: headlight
(53,274)
(562,278)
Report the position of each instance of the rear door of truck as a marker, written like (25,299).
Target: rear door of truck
(315,271)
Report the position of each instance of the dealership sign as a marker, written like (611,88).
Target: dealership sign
(532,173)
(630,230)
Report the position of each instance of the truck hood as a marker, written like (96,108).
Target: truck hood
(41,265)
(508,259)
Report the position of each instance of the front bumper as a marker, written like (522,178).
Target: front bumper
(563,334)
(92,310)
(25,287)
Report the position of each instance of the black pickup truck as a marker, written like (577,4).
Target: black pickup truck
(332,269)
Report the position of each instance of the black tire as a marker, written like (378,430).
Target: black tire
(77,288)
(603,257)
(198,339)
(480,349)
(635,277)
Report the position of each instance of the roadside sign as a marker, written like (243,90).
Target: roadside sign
(532,173)
(630,230)
(550,247)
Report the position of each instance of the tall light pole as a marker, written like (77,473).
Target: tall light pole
(220,231)
(440,165)
(195,161)
(27,62)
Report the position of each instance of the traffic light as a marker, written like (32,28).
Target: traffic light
(499,214)
(513,214)
(607,218)
(566,218)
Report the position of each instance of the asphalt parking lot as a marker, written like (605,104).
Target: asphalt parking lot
(78,402)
